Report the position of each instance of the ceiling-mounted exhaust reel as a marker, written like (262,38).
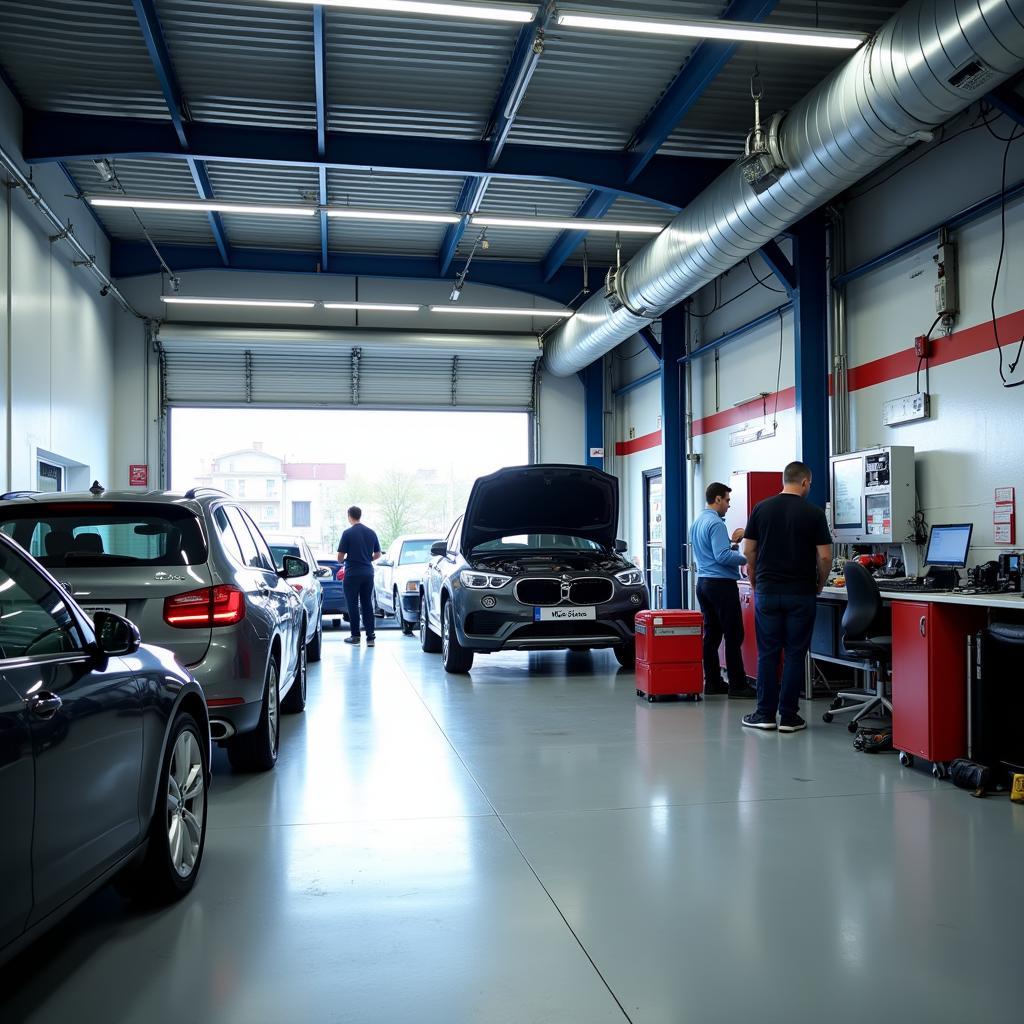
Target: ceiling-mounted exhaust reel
(763,160)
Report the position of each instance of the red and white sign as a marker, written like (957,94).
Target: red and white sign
(1004,514)
(138,475)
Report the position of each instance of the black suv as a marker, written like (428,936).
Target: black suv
(533,564)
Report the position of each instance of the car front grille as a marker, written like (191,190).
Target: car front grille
(567,630)
(593,590)
(484,623)
(538,591)
(546,591)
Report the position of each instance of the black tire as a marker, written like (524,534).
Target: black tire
(456,658)
(336,623)
(378,612)
(156,878)
(314,648)
(256,751)
(827,717)
(430,642)
(408,628)
(626,654)
(295,699)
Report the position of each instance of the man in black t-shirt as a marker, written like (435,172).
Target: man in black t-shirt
(359,549)
(789,553)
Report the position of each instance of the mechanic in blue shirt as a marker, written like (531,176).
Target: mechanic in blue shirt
(359,549)
(718,569)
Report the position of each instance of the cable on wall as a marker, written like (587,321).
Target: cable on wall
(1013,136)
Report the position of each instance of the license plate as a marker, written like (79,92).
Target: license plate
(114,607)
(563,614)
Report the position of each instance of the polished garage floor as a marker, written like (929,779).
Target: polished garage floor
(533,844)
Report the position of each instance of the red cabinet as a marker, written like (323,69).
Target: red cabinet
(749,633)
(929,670)
(747,490)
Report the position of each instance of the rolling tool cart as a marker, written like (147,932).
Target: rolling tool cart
(668,654)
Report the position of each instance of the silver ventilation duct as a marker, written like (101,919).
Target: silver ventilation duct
(931,60)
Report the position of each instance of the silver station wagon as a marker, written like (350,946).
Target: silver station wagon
(195,575)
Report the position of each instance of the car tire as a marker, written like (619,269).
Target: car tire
(626,654)
(408,627)
(336,623)
(256,751)
(177,830)
(315,646)
(295,699)
(378,612)
(456,658)
(430,642)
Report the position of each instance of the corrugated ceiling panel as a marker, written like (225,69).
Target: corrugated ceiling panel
(243,63)
(79,56)
(601,246)
(595,88)
(410,75)
(164,179)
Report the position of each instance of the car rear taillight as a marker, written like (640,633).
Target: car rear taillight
(340,574)
(210,606)
(297,587)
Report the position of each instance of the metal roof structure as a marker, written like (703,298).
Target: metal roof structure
(289,103)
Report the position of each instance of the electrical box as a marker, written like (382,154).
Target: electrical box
(947,293)
(906,409)
(872,495)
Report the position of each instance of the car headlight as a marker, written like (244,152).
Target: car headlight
(630,578)
(484,580)
(412,587)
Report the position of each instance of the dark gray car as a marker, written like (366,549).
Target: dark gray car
(104,756)
(194,573)
(533,564)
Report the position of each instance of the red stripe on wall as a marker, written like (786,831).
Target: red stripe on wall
(971,341)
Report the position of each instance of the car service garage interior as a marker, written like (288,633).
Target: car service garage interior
(508,511)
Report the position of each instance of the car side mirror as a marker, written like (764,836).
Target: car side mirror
(385,564)
(621,547)
(115,636)
(323,573)
(439,547)
(293,567)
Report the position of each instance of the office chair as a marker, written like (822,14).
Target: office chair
(865,634)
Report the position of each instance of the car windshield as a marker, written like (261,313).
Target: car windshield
(542,541)
(280,550)
(106,534)
(416,551)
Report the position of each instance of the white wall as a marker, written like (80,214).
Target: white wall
(56,333)
(560,426)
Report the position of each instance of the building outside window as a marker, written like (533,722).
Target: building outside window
(268,513)
(49,478)
(241,488)
(301,513)
(271,488)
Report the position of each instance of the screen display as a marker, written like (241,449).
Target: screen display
(847,493)
(947,545)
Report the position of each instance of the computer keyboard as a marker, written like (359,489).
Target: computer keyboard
(911,586)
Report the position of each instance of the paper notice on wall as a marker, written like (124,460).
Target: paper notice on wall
(1002,533)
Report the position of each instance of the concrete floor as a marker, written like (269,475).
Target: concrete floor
(532,843)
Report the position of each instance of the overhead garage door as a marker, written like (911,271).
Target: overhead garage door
(229,366)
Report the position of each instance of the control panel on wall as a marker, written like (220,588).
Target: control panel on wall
(872,495)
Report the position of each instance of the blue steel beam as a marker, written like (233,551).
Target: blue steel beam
(703,65)
(470,198)
(133,259)
(673,420)
(810,328)
(667,181)
(593,413)
(652,343)
(779,266)
(320,87)
(160,56)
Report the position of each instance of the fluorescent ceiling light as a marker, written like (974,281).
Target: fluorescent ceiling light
(742,31)
(201,206)
(568,224)
(196,301)
(383,307)
(354,213)
(478,12)
(488,311)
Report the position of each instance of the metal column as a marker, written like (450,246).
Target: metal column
(673,427)
(593,412)
(810,320)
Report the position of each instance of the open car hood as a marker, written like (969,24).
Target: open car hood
(576,500)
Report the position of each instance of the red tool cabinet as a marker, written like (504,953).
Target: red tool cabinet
(668,654)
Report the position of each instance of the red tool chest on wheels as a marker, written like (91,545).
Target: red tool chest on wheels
(668,654)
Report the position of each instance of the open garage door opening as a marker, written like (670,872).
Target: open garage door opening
(296,471)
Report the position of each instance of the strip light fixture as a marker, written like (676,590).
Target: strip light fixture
(739,31)
(201,206)
(355,213)
(478,12)
(567,224)
(380,307)
(488,311)
(192,300)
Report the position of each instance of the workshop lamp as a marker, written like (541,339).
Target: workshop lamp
(192,300)
(378,307)
(354,213)
(486,311)
(477,12)
(567,224)
(201,206)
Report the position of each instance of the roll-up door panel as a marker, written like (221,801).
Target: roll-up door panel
(432,371)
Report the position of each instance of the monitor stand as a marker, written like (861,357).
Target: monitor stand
(911,564)
(944,576)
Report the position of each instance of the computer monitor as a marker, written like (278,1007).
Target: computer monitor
(948,545)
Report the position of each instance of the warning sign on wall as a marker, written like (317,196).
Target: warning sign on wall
(138,475)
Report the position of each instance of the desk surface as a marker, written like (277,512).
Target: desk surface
(1013,601)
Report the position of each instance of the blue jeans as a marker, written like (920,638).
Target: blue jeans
(784,623)
(359,598)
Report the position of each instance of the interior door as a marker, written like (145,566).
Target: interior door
(654,536)
(17,800)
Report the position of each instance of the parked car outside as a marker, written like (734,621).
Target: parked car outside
(194,573)
(397,578)
(533,564)
(104,757)
(333,586)
(307,587)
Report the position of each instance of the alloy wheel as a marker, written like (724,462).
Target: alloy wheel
(445,632)
(186,799)
(273,711)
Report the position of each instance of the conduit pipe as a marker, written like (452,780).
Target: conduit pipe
(931,60)
(64,231)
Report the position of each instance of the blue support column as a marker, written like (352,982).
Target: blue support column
(593,412)
(673,441)
(810,325)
